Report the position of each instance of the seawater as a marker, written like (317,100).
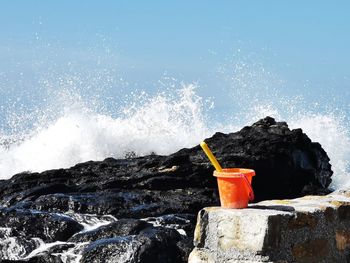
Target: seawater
(72,129)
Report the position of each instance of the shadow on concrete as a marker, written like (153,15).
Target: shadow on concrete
(284,208)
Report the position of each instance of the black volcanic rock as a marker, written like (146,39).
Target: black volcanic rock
(136,203)
(151,245)
(46,226)
(287,163)
(120,228)
(166,192)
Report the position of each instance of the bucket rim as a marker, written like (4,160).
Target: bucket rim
(234,172)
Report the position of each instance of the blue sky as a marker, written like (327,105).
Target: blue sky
(303,45)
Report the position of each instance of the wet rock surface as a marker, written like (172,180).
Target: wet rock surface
(48,227)
(154,244)
(152,201)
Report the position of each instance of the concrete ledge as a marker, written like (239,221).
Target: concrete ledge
(307,229)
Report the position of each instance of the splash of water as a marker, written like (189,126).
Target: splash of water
(331,132)
(160,124)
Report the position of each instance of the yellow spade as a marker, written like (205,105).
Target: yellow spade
(211,156)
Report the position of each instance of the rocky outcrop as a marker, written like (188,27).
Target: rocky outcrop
(46,226)
(307,229)
(150,245)
(152,200)
(287,163)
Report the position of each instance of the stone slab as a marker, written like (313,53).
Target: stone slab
(306,229)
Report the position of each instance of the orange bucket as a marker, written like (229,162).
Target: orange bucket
(235,187)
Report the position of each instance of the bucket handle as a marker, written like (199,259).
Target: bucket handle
(251,192)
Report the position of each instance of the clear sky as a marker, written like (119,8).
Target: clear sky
(305,45)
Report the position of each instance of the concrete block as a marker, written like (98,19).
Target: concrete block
(307,229)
